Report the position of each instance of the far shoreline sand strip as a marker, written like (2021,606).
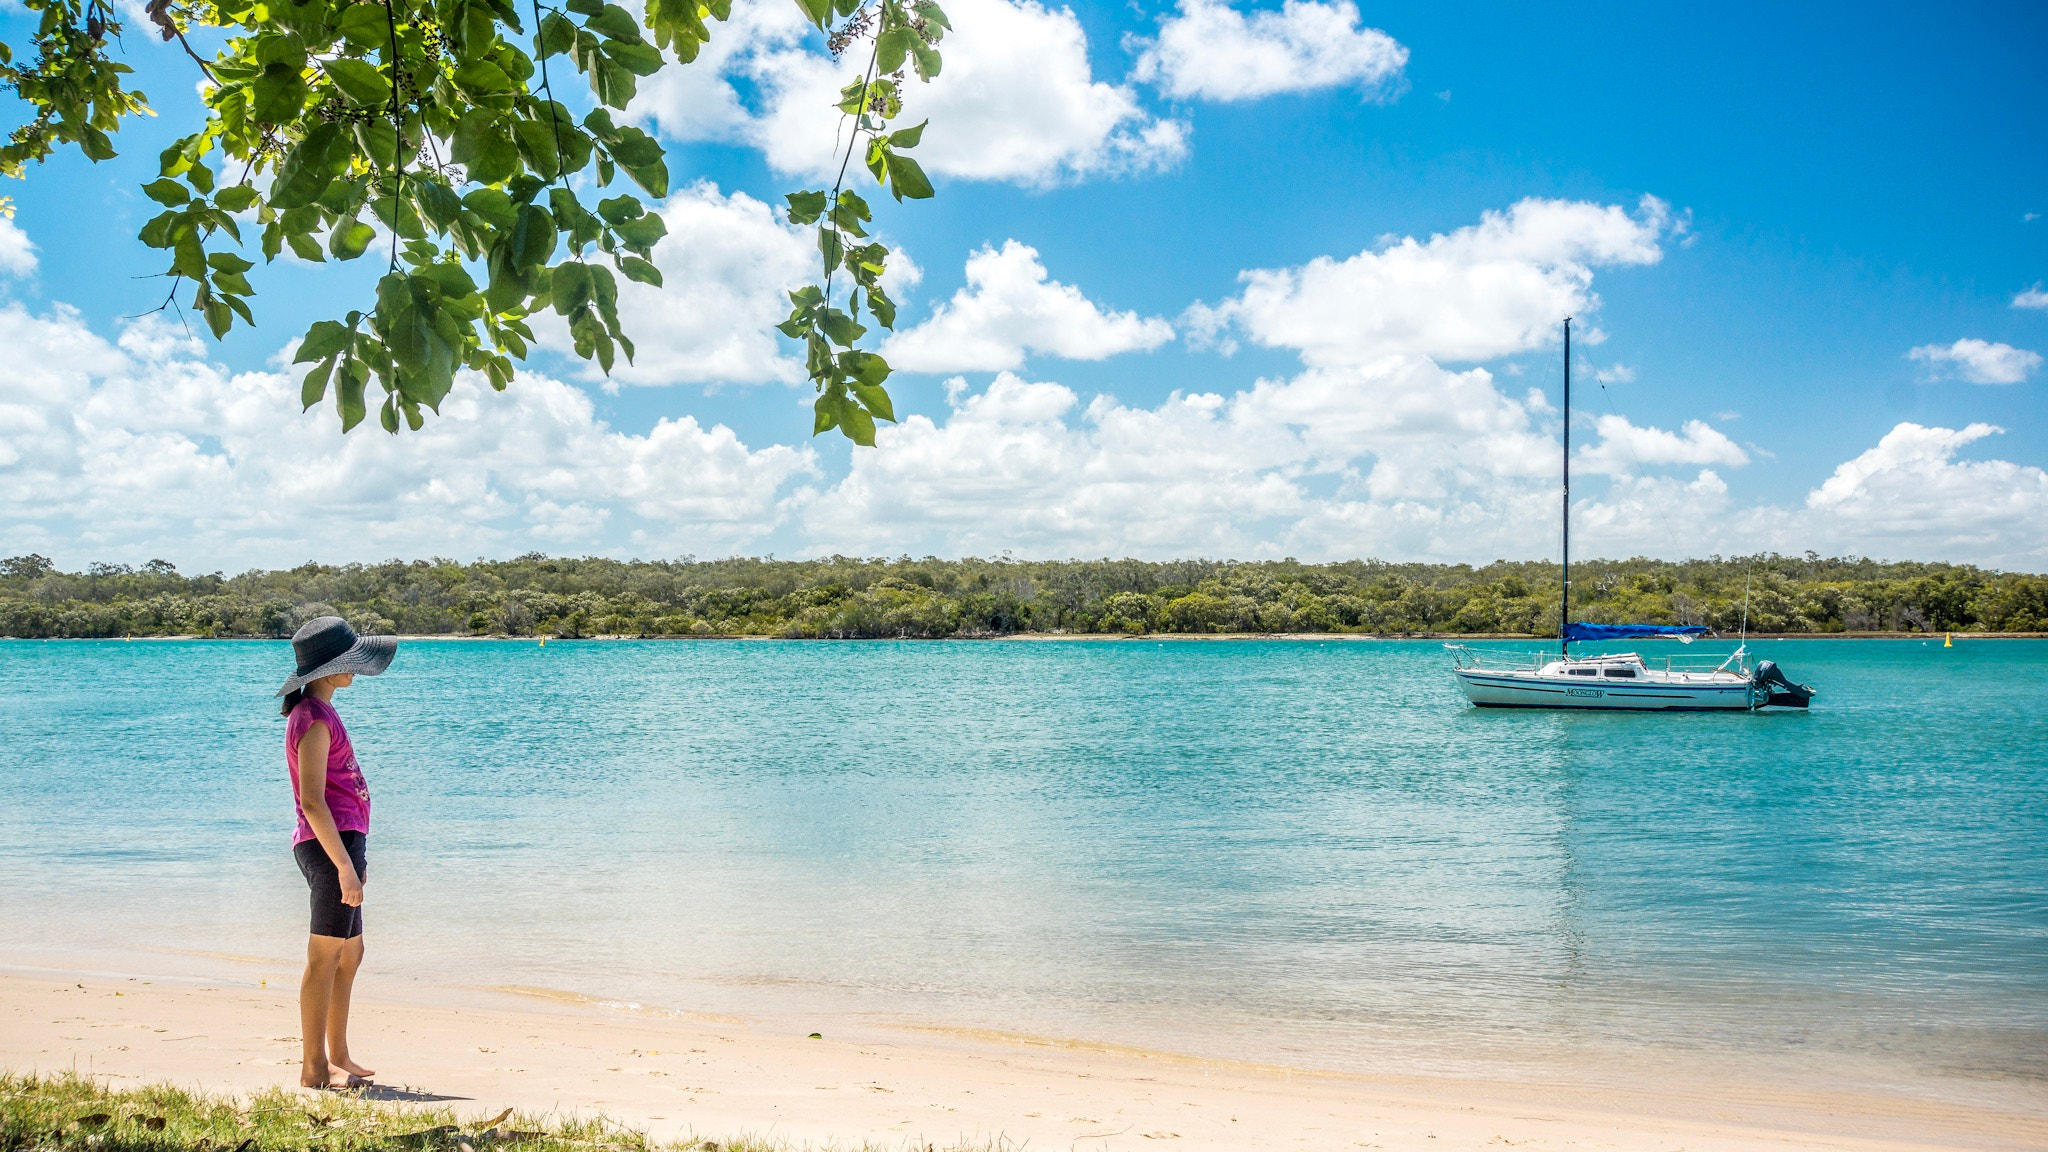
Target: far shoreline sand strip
(678,1076)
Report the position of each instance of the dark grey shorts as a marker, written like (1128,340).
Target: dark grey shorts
(323,882)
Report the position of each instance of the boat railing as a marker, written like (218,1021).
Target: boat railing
(1465,656)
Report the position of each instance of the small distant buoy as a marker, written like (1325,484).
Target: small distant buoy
(1948,640)
(543,641)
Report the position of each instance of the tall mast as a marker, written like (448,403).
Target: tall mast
(1564,609)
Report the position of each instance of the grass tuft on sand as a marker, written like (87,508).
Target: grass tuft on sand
(71,1113)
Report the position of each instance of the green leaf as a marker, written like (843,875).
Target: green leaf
(642,232)
(819,12)
(365,24)
(831,247)
(557,35)
(166,191)
(493,205)
(309,168)
(865,367)
(640,271)
(933,13)
(585,7)
(379,141)
(539,148)
(239,198)
(437,202)
(840,328)
(806,207)
(95,144)
(348,393)
(642,157)
(619,209)
(533,237)
(883,307)
(359,81)
(387,414)
(481,146)
(614,22)
(323,340)
(908,137)
(613,83)
(827,407)
(875,399)
(482,76)
(314,388)
(451,279)
(219,316)
(349,239)
(228,262)
(278,95)
(162,229)
(305,247)
(891,48)
(907,178)
(857,424)
(570,286)
(638,58)
(927,60)
(188,257)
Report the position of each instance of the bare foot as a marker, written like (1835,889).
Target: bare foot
(353,1068)
(316,1076)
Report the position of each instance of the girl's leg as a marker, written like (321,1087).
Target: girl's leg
(316,995)
(350,959)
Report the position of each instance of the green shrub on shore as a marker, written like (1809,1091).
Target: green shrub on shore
(72,1113)
(841,597)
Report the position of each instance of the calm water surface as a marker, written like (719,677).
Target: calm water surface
(1305,852)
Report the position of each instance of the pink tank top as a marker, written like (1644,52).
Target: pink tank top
(348,796)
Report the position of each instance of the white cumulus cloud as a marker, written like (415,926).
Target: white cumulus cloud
(144,448)
(1490,289)
(1978,361)
(17,251)
(1623,448)
(2033,297)
(1009,309)
(1016,100)
(1909,495)
(1210,50)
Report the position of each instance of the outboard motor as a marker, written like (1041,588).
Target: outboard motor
(1778,692)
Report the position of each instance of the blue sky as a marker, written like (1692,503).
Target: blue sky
(1834,189)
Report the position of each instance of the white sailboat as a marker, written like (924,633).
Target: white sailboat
(1621,681)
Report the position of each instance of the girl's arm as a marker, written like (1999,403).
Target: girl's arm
(313,800)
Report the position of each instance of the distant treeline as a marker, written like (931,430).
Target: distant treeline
(845,598)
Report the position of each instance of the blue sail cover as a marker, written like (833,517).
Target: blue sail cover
(1590,632)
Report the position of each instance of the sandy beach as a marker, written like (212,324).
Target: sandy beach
(709,1077)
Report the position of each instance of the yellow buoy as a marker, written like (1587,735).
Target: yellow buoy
(1948,639)
(543,641)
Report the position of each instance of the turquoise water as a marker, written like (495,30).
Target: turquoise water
(1308,852)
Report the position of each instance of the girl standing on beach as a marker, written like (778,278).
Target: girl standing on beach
(330,844)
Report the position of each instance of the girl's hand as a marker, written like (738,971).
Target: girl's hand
(351,887)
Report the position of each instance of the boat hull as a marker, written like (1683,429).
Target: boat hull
(1528,690)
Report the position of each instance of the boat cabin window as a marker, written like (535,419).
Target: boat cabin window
(1622,673)
(1585,671)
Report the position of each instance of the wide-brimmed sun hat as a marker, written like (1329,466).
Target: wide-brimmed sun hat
(327,646)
